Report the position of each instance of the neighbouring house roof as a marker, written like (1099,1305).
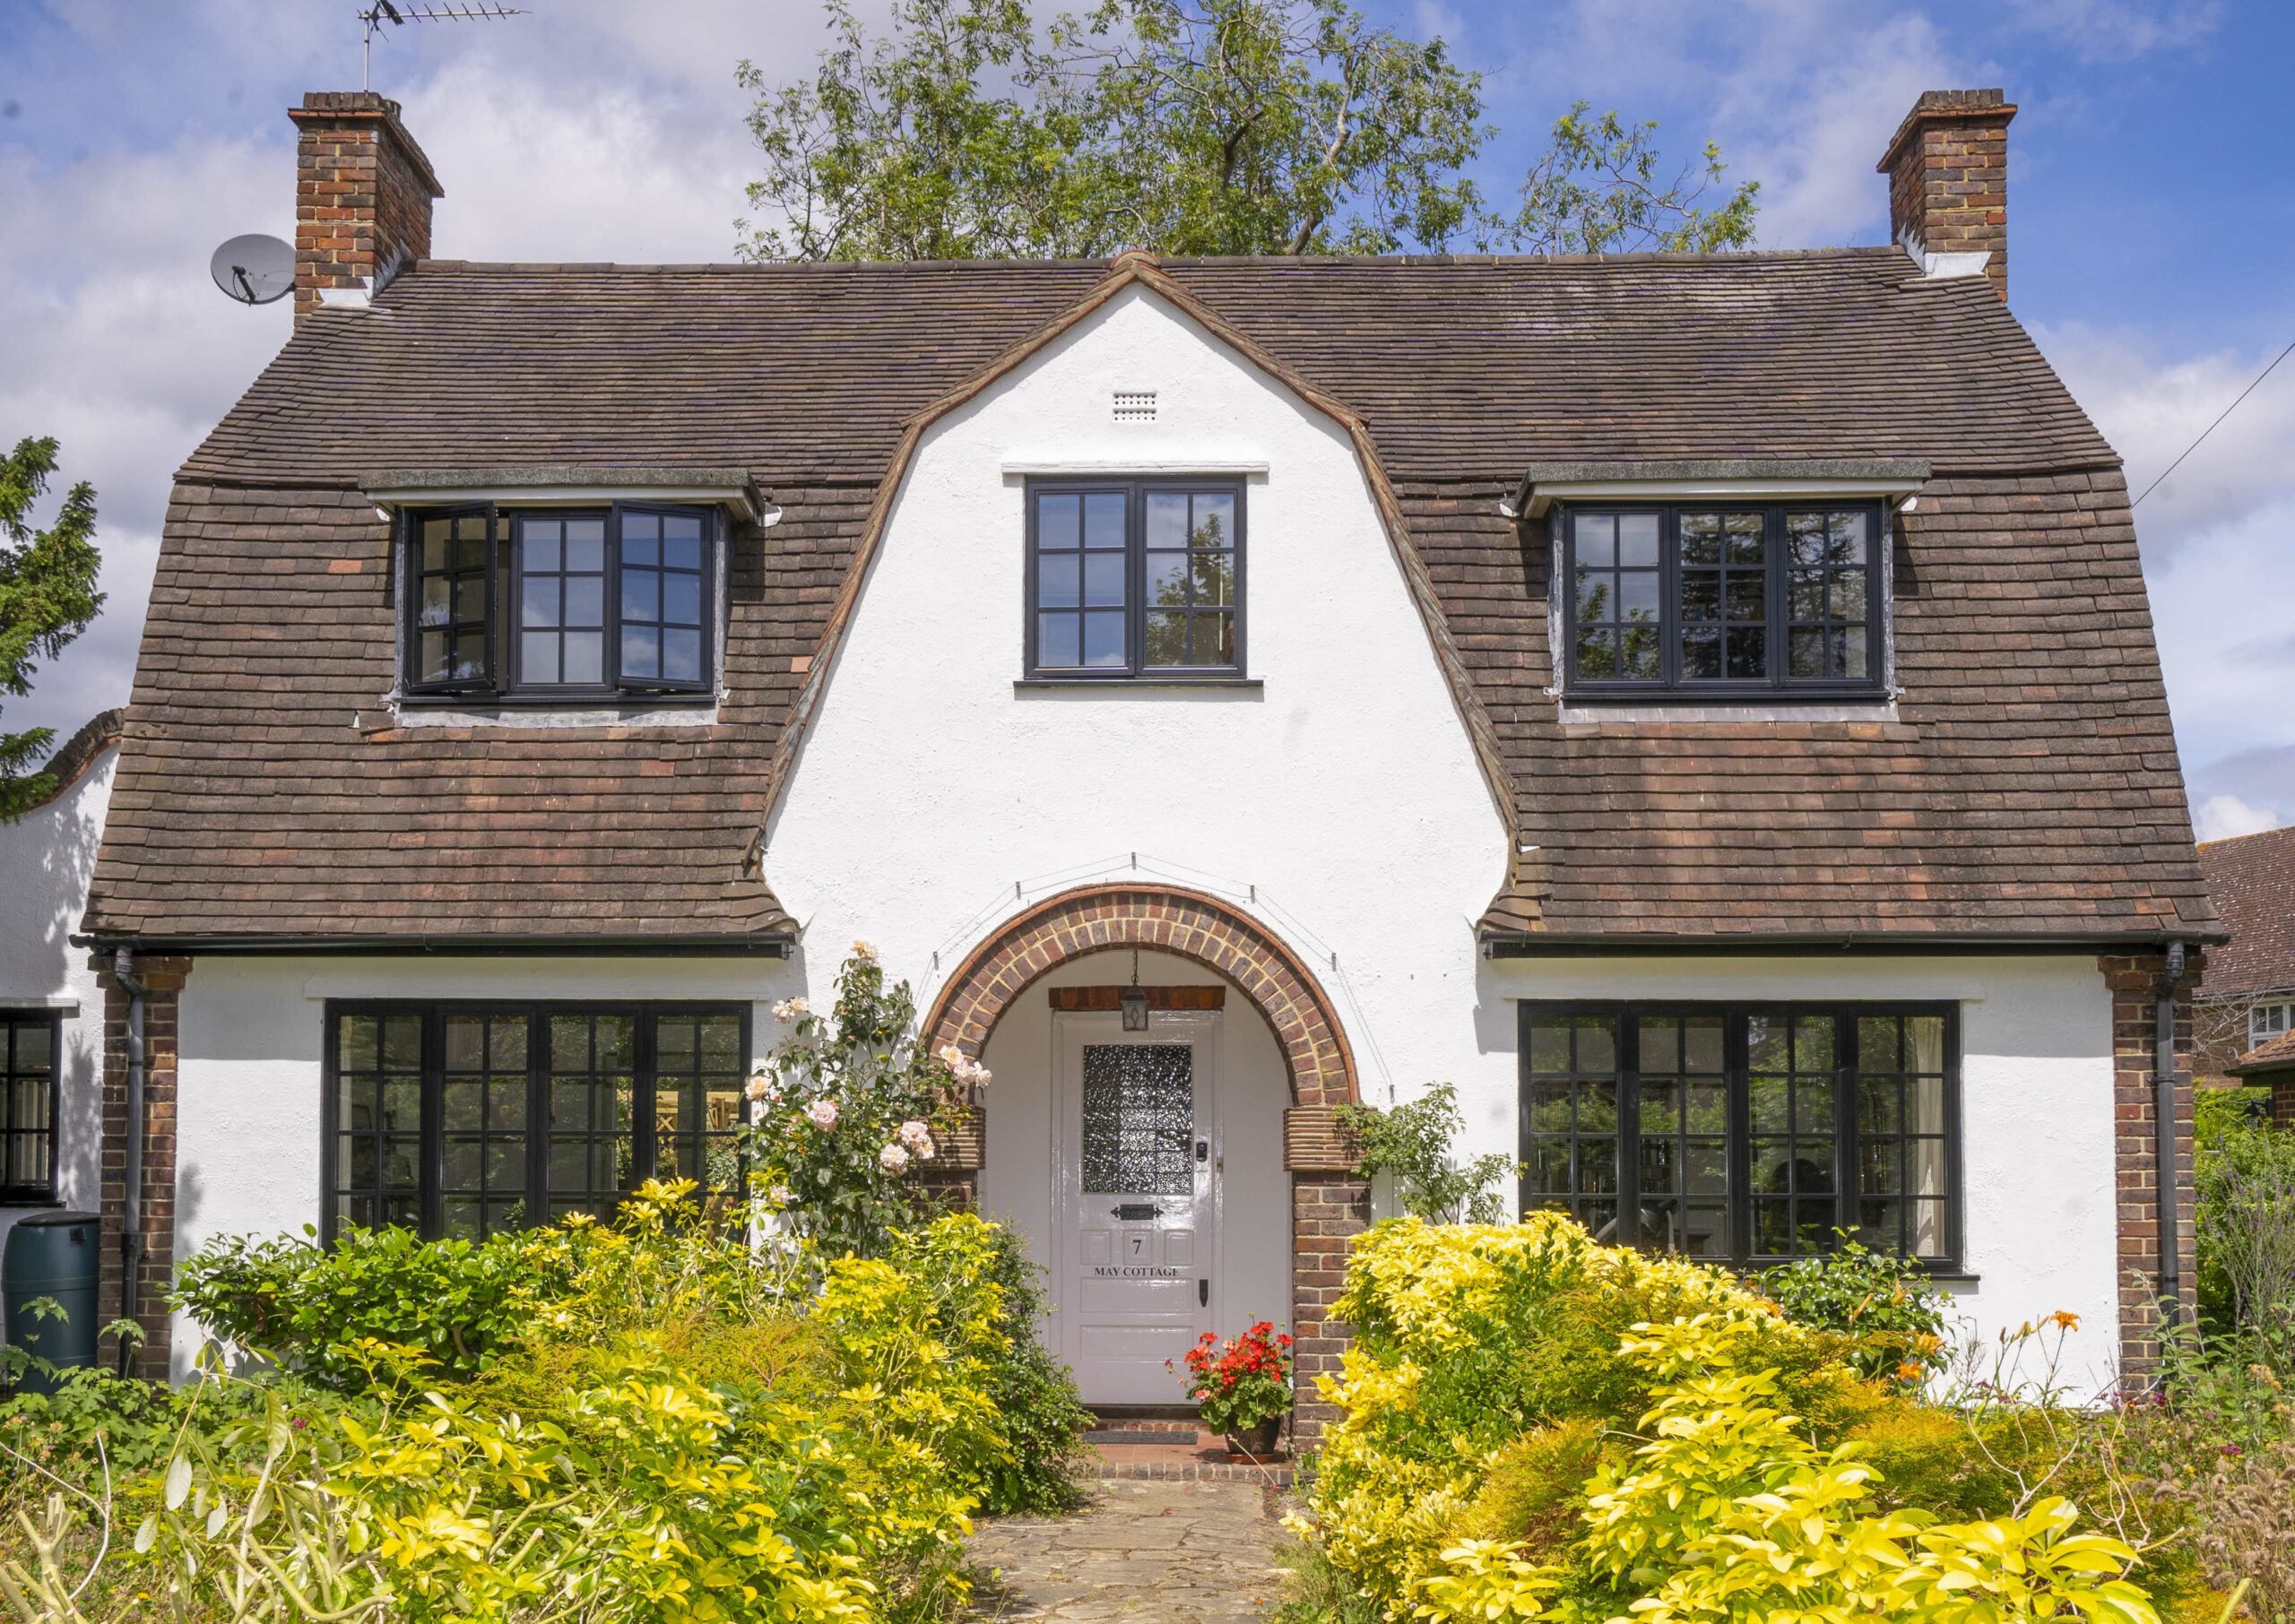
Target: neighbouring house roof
(2026,788)
(2266,1058)
(2252,879)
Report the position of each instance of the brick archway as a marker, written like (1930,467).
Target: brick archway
(1329,1201)
(1188,924)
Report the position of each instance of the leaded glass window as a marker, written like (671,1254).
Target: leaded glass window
(1746,1135)
(1717,603)
(1138,1118)
(27,1066)
(1135,578)
(461,1119)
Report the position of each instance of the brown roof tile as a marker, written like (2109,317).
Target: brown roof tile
(2028,787)
(2275,1056)
(2252,879)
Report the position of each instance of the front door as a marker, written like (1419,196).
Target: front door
(1136,1202)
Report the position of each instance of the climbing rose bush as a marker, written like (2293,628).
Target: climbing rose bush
(849,1114)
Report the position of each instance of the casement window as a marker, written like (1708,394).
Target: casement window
(2267,1021)
(617,602)
(30,1042)
(1132,579)
(456,1119)
(1723,601)
(1746,1135)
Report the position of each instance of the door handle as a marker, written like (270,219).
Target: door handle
(1203,1293)
(1203,1150)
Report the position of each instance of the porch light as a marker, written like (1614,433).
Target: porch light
(1134,999)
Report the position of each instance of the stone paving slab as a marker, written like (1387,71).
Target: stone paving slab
(1156,1552)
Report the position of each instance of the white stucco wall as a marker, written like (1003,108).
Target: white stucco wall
(1344,792)
(45,859)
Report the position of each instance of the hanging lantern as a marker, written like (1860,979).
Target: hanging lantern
(1134,999)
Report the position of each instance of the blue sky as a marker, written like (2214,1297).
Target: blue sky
(2152,226)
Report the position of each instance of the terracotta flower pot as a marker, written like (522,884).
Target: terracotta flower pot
(1256,1441)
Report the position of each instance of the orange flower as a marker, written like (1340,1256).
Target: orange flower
(1908,1371)
(2064,1319)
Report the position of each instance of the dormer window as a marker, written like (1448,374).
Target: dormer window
(1722,600)
(615,602)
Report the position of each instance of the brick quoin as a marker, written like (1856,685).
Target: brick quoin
(1329,1206)
(163,980)
(2135,983)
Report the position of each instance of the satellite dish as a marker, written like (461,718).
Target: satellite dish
(254,269)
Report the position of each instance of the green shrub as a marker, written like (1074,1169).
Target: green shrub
(1894,1318)
(1411,1144)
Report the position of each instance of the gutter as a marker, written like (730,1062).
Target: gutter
(2163,1122)
(130,1238)
(1612,943)
(770,945)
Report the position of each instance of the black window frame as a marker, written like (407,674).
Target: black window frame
(1777,622)
(432,1134)
(1739,1198)
(40,1193)
(503,680)
(1136,490)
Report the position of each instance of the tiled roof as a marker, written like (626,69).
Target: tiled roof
(2028,787)
(2277,1055)
(2252,879)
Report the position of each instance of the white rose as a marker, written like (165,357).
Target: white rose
(866,952)
(822,1114)
(758,1086)
(893,1159)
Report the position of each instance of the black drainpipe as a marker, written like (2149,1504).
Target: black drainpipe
(2163,1113)
(131,1236)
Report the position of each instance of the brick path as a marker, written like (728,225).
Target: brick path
(1157,1552)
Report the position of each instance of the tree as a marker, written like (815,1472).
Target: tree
(48,597)
(1183,127)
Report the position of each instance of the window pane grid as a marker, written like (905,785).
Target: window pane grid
(1827,573)
(1571,1120)
(1135,578)
(28,1061)
(454,566)
(561,601)
(483,1115)
(468,1119)
(662,563)
(1721,601)
(699,1073)
(1747,1135)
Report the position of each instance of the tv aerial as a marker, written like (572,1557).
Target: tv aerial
(400,12)
(254,269)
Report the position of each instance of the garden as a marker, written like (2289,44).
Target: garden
(685,1414)
(1533,1426)
(661,1418)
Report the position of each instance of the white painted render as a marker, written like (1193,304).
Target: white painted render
(46,861)
(1344,791)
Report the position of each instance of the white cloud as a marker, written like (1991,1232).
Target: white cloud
(2114,30)
(2227,818)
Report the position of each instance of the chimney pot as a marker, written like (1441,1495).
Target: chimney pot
(1948,180)
(363,192)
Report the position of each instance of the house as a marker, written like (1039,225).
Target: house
(2247,997)
(1704,707)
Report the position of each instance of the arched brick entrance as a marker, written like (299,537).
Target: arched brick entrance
(1330,1203)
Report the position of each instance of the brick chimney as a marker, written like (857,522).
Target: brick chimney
(1948,182)
(362,198)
